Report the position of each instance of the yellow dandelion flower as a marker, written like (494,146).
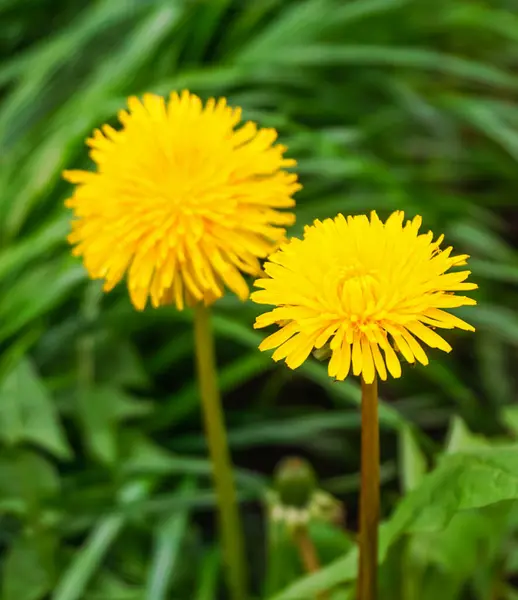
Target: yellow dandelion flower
(362,286)
(183,200)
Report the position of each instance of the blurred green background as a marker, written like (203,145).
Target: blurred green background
(386,104)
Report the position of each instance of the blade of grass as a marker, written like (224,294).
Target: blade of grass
(168,540)
(76,576)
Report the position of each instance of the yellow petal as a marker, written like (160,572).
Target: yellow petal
(428,336)
(415,347)
(378,361)
(368,371)
(279,337)
(393,364)
(345,362)
(357,356)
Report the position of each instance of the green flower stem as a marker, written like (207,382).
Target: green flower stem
(369,494)
(230,523)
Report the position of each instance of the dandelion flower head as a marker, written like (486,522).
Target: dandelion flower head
(183,201)
(365,288)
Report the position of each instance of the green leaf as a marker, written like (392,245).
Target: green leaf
(184,402)
(108,586)
(28,568)
(462,481)
(411,458)
(31,296)
(42,61)
(28,413)
(341,571)
(496,319)
(486,118)
(383,56)
(477,238)
(510,418)
(305,21)
(461,439)
(169,535)
(26,480)
(89,557)
(20,254)
(282,564)
(101,410)
(208,579)
(330,541)
(494,367)
(145,457)
(119,364)
(471,538)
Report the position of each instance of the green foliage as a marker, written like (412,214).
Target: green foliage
(104,483)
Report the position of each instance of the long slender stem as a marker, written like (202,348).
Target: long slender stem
(230,523)
(308,553)
(369,494)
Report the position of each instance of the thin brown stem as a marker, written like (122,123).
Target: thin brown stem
(369,494)
(308,554)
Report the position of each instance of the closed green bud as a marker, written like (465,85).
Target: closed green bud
(295,482)
(323,353)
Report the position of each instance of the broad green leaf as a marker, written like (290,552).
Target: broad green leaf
(461,439)
(411,460)
(510,418)
(101,409)
(471,538)
(462,481)
(27,480)
(28,413)
(28,569)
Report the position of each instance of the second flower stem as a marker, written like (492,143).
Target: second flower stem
(308,553)
(369,493)
(230,522)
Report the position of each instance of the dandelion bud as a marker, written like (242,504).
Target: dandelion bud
(295,482)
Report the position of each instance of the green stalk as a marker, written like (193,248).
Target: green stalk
(369,494)
(229,519)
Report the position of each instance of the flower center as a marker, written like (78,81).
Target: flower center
(356,276)
(358,289)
